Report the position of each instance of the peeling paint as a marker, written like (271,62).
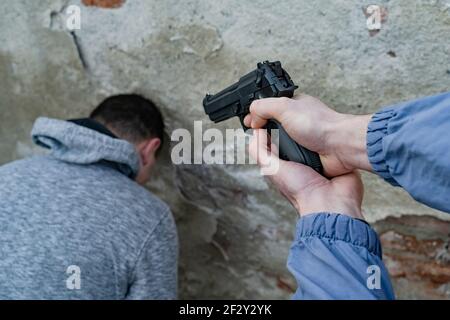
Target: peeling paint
(109,4)
(416,249)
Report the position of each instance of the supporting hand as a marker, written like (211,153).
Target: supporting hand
(339,139)
(308,191)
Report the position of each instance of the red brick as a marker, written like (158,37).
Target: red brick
(104,3)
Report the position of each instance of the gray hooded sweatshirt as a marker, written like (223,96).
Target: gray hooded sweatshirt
(74,225)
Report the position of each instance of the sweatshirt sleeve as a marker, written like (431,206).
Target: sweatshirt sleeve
(155,272)
(409,146)
(337,257)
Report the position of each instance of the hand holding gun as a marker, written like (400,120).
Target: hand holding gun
(269,80)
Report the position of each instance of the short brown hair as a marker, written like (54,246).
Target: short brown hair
(130,116)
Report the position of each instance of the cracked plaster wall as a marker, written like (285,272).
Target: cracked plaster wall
(235,230)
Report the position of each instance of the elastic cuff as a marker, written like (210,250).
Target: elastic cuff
(336,226)
(376,131)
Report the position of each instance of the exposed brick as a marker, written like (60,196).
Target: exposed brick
(415,250)
(104,3)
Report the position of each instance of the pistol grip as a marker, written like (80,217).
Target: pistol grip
(289,150)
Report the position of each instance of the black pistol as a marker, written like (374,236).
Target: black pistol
(267,81)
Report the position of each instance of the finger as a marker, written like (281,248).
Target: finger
(266,155)
(248,121)
(274,149)
(258,148)
(290,178)
(265,109)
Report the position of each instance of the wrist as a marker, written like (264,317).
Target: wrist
(346,139)
(347,207)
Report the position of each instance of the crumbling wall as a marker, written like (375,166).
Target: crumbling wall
(235,230)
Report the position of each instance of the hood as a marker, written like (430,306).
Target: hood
(74,143)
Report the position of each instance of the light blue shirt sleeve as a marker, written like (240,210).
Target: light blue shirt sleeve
(338,257)
(409,146)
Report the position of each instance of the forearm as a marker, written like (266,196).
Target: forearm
(408,146)
(347,139)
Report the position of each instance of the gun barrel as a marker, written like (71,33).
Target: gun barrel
(268,80)
(229,102)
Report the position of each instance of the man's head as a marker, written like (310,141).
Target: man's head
(137,120)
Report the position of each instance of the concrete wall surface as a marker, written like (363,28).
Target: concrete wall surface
(235,229)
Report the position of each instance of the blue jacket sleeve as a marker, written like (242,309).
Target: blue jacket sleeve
(409,146)
(337,257)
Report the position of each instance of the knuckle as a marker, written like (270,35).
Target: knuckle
(285,102)
(253,106)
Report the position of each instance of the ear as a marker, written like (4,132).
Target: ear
(147,150)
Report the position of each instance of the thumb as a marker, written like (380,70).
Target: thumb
(265,109)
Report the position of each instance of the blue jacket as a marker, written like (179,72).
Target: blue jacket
(337,257)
